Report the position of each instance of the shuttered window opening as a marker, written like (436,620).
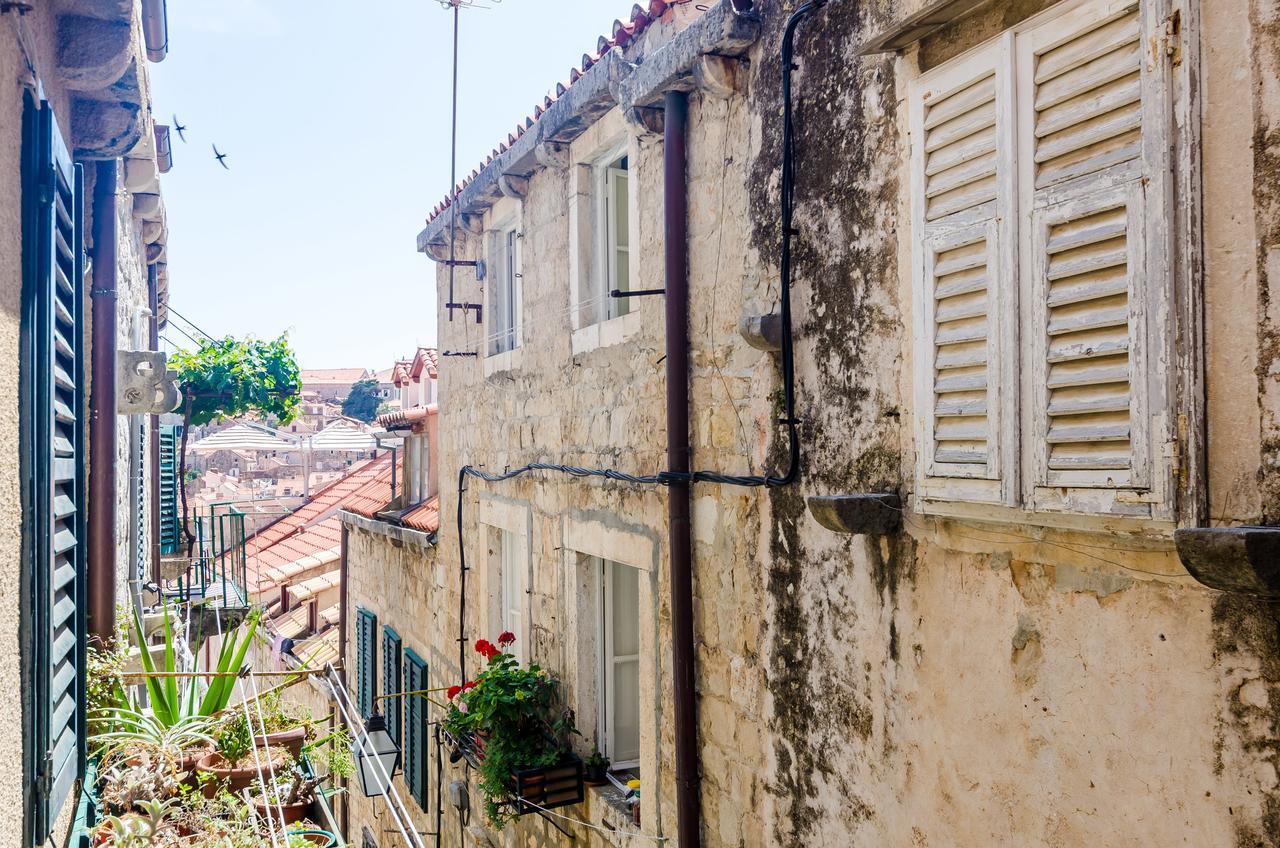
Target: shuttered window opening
(168,506)
(964,196)
(1043,282)
(415,730)
(53,459)
(366,660)
(392,707)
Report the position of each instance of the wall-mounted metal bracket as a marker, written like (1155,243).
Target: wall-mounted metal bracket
(458,353)
(466,308)
(636,293)
(1245,560)
(866,514)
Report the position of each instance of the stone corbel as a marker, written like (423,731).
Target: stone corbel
(140,175)
(513,186)
(1245,560)
(647,121)
(93,53)
(471,224)
(437,250)
(552,154)
(147,206)
(718,76)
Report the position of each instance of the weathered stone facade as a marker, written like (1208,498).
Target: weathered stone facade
(961,682)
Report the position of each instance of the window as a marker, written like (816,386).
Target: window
(511,571)
(619,640)
(52,457)
(366,660)
(415,715)
(613,240)
(392,708)
(504,291)
(1041,200)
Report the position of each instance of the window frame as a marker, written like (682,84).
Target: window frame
(1174,447)
(605,247)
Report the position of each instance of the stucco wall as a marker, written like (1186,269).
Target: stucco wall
(961,682)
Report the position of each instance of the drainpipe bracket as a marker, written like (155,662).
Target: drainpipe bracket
(1243,560)
(863,514)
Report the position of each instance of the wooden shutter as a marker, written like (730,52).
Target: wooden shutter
(1095,181)
(366,660)
(415,714)
(963,198)
(53,458)
(392,707)
(168,506)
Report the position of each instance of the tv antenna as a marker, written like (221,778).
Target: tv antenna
(457,6)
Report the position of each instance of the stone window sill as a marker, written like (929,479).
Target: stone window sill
(509,360)
(607,809)
(615,331)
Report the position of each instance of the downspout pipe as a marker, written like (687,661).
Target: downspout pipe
(153,423)
(679,542)
(102,407)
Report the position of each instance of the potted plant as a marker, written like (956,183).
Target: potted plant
(294,798)
(237,763)
(131,777)
(510,725)
(596,768)
(284,727)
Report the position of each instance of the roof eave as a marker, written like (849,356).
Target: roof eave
(611,81)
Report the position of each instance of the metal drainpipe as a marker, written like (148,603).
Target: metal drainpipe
(675,198)
(153,303)
(102,408)
(344,590)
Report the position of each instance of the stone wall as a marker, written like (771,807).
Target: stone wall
(960,682)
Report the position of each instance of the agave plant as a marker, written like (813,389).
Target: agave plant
(172,701)
(135,727)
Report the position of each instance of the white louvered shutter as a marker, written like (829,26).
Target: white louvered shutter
(1093,176)
(963,196)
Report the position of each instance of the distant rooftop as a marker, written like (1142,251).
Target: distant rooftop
(312,376)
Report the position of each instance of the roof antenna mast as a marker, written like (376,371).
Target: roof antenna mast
(457,6)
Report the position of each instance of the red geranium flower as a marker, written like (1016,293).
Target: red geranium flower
(470,684)
(453,692)
(506,637)
(483,647)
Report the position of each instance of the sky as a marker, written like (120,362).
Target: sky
(334,118)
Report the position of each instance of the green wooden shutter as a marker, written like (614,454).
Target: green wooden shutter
(415,732)
(168,506)
(391,707)
(53,458)
(366,660)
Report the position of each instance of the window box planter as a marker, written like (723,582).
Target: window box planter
(559,785)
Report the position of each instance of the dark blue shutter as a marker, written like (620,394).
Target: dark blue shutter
(53,458)
(169,435)
(391,707)
(415,731)
(366,660)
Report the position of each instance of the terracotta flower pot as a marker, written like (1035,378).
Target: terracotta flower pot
(233,779)
(293,739)
(318,837)
(293,813)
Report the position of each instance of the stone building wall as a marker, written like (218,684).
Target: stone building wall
(961,682)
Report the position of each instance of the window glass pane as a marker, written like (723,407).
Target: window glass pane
(619,235)
(626,711)
(625,624)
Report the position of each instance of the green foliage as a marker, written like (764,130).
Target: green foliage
(172,701)
(105,694)
(517,713)
(362,403)
(134,831)
(230,377)
(235,740)
(133,728)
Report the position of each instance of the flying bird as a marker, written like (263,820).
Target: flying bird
(179,128)
(221,157)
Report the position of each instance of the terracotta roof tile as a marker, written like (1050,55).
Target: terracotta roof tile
(620,34)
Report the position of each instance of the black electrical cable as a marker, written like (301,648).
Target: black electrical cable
(665,478)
